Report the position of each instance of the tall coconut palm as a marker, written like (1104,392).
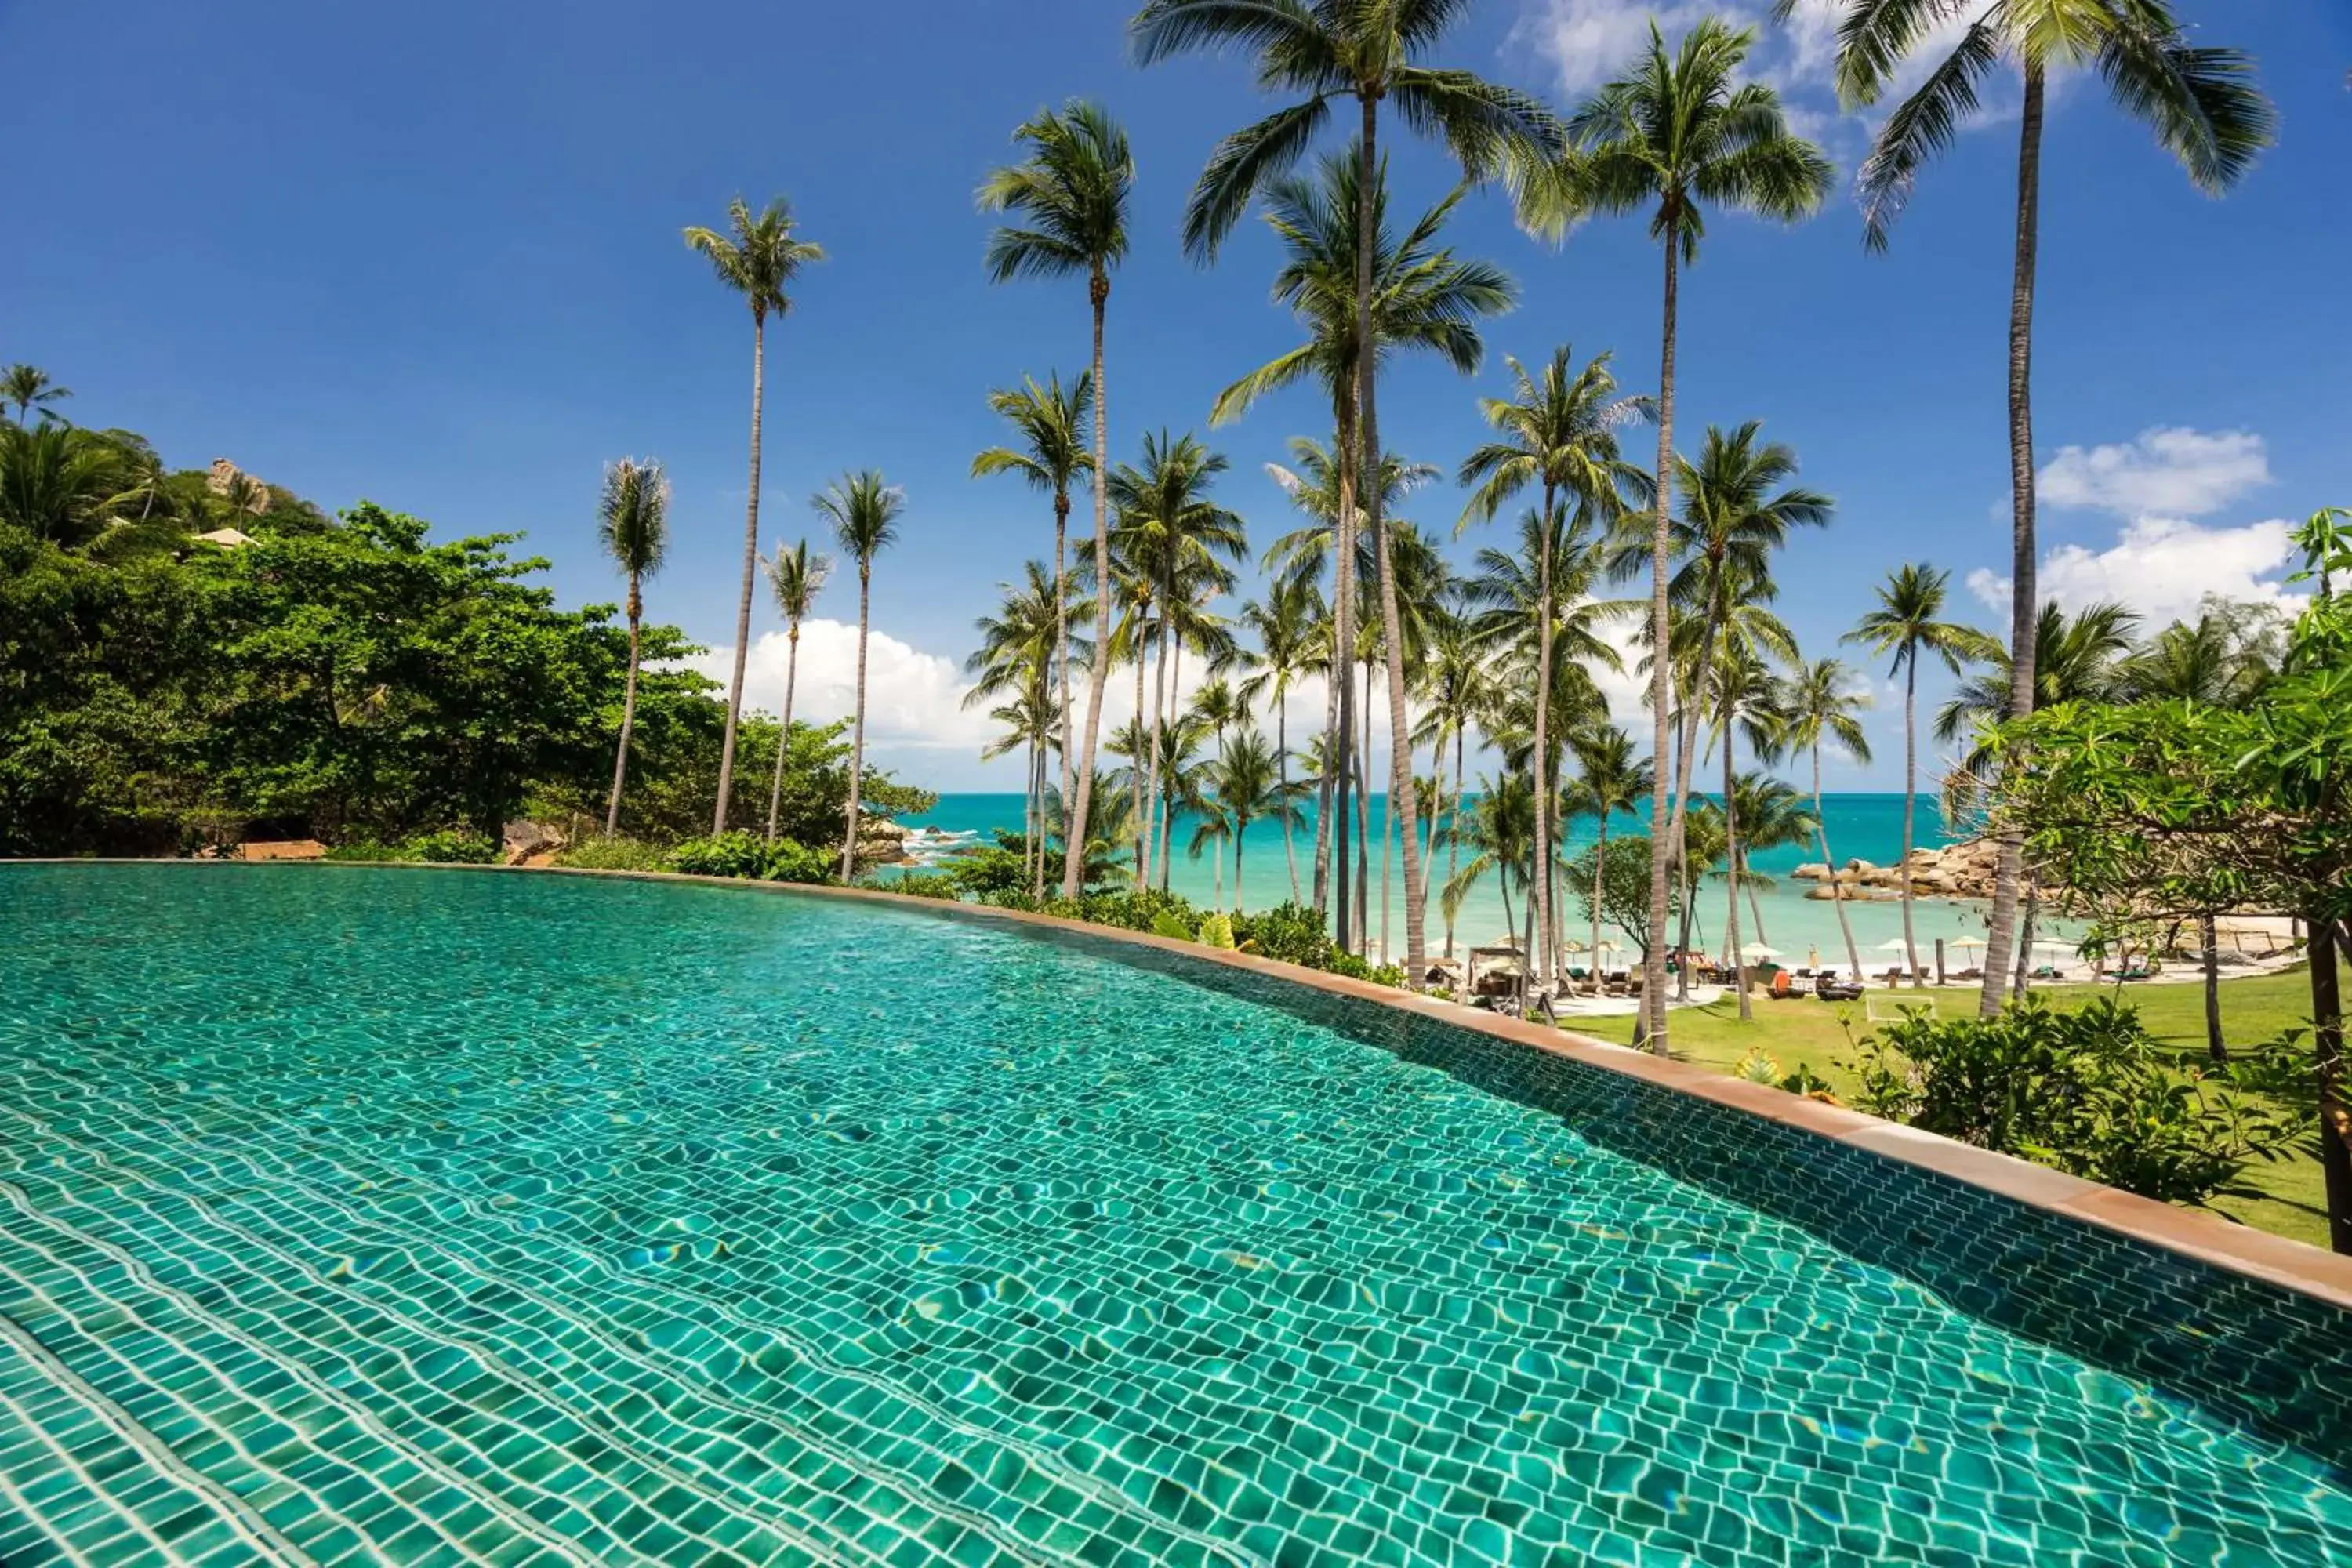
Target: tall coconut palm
(1423,298)
(1291,644)
(1169,523)
(758,257)
(1249,786)
(1556,432)
(1020,646)
(633,527)
(2205,110)
(1498,831)
(1820,704)
(1458,691)
(1907,627)
(1772,815)
(1052,427)
(863,511)
(73,488)
(1678,133)
(1069,199)
(1611,778)
(1730,525)
(29,387)
(1740,696)
(1330,49)
(795,577)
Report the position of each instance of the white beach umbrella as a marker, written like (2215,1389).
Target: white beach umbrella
(1755,950)
(1967,941)
(1894,944)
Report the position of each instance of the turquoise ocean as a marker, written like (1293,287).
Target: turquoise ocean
(1868,826)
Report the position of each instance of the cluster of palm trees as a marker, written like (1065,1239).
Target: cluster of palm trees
(1680,134)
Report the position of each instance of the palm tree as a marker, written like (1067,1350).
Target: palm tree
(758,257)
(1341,49)
(1820,704)
(1070,197)
(1423,298)
(864,512)
(1558,433)
(1742,693)
(1020,646)
(1611,778)
(796,577)
(1457,692)
(1111,824)
(29,387)
(1053,427)
(73,488)
(632,526)
(1171,527)
(2082,657)
(2206,111)
(1905,626)
(1678,133)
(1248,785)
(2224,656)
(1291,644)
(1772,815)
(1498,832)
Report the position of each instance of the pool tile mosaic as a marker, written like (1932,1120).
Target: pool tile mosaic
(426,1218)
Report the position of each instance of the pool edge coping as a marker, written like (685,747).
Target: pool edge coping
(2236,1248)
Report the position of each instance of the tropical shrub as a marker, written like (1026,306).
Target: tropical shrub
(2088,1091)
(1288,933)
(741,853)
(987,869)
(618,853)
(940,885)
(452,846)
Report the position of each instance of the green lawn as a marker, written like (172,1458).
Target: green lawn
(1802,1031)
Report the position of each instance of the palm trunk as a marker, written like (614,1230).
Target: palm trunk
(2029,903)
(1136,774)
(628,712)
(1282,770)
(1541,895)
(1324,790)
(1686,743)
(1600,882)
(751,571)
(1910,809)
(1401,799)
(1062,647)
(2216,1044)
(1357,764)
(1731,869)
(1837,892)
(1653,960)
(1074,849)
(1154,788)
(1756,907)
(1344,923)
(857,732)
(1454,833)
(2010,867)
(2328,1060)
(784,736)
(1240,831)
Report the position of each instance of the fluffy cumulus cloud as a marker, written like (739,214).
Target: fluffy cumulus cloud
(2162,567)
(2162,563)
(914,699)
(2168,471)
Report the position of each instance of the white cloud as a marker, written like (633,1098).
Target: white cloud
(2164,472)
(2162,567)
(913,699)
(1588,41)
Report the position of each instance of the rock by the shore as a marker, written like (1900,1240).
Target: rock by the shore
(527,843)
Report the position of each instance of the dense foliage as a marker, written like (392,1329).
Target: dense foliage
(348,679)
(2090,1091)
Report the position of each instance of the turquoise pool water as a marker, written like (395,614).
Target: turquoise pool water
(435,1217)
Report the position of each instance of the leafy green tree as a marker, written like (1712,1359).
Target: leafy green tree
(1819,704)
(864,512)
(758,258)
(2205,110)
(1373,53)
(632,526)
(1905,627)
(1613,882)
(1052,425)
(70,487)
(1609,778)
(795,577)
(29,387)
(1556,432)
(1070,197)
(1680,132)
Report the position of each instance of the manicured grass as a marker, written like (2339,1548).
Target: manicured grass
(1802,1031)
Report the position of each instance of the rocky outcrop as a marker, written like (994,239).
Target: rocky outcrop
(882,842)
(527,843)
(1963,870)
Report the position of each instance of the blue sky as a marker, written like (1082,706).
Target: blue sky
(429,254)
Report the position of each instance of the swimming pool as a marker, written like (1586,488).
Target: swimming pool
(451,1217)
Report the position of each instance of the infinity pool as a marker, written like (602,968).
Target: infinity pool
(359,1215)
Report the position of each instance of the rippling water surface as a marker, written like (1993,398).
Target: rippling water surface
(359,1214)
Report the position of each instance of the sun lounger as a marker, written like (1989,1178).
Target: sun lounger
(1782,984)
(1829,988)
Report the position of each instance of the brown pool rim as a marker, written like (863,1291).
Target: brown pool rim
(2208,1238)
